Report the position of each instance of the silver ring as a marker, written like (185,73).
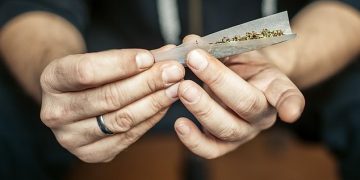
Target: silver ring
(103,128)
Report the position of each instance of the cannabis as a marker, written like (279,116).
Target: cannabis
(265,33)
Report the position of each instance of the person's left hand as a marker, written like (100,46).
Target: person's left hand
(240,98)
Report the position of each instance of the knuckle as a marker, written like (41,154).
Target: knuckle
(152,84)
(45,79)
(112,96)
(89,134)
(265,124)
(249,108)
(65,141)
(231,134)
(194,146)
(216,79)
(157,117)
(131,136)
(87,158)
(54,70)
(90,156)
(204,112)
(51,117)
(157,104)
(123,121)
(268,120)
(84,72)
(151,122)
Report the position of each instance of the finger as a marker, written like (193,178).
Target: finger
(87,131)
(65,108)
(132,115)
(244,99)
(264,123)
(216,98)
(107,148)
(201,144)
(219,122)
(83,71)
(191,38)
(280,93)
(164,48)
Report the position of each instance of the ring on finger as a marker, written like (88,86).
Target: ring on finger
(101,123)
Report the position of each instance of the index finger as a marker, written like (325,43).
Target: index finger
(83,71)
(243,98)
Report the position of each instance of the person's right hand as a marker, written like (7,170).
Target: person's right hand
(125,86)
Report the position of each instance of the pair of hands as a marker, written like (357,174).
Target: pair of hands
(239,99)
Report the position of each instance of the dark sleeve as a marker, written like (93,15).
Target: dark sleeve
(353,3)
(75,11)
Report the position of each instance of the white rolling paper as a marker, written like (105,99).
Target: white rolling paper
(279,21)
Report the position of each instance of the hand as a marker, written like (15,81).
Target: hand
(125,86)
(240,101)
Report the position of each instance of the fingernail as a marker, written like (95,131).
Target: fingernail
(197,60)
(191,94)
(144,60)
(172,91)
(183,129)
(171,74)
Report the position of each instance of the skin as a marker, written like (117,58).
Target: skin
(133,94)
(74,87)
(327,42)
(239,98)
(239,92)
(262,92)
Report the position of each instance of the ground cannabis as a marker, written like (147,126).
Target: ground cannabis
(265,33)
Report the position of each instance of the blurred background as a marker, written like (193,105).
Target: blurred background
(284,152)
(275,154)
